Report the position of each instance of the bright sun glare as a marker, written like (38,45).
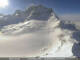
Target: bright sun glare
(3,3)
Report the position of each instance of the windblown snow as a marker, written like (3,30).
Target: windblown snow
(37,31)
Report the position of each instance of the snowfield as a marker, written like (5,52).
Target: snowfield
(38,32)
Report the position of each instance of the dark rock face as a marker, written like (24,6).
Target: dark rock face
(39,12)
(67,25)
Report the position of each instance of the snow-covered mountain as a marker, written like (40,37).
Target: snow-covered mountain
(37,31)
(32,19)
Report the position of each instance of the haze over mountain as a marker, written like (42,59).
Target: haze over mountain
(37,31)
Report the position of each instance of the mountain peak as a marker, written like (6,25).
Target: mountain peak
(39,12)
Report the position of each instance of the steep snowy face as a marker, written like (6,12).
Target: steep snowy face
(31,26)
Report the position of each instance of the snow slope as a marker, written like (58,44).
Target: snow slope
(37,31)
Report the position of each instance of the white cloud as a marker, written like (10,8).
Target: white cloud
(70,17)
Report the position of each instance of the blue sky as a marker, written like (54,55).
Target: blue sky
(61,7)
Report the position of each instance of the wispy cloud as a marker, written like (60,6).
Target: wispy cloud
(70,17)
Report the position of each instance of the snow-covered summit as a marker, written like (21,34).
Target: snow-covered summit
(39,12)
